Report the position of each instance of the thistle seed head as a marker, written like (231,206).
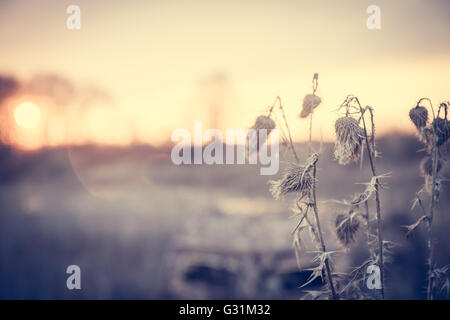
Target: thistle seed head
(261,123)
(349,138)
(264,122)
(426,166)
(419,116)
(442,129)
(310,102)
(296,178)
(346,227)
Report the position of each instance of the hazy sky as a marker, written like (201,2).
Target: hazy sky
(160,61)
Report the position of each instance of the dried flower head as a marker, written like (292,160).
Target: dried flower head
(442,129)
(419,116)
(310,102)
(426,166)
(264,122)
(349,138)
(261,123)
(346,227)
(296,178)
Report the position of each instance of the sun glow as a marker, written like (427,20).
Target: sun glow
(27,115)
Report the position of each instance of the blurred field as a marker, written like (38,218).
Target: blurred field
(141,228)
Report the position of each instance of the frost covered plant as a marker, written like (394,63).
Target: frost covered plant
(426,170)
(435,135)
(441,127)
(296,178)
(307,210)
(310,102)
(261,123)
(349,138)
(419,116)
(264,122)
(307,202)
(347,225)
(300,179)
(426,166)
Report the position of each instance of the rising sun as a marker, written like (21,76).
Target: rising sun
(27,115)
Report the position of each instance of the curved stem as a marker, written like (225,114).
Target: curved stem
(430,224)
(315,82)
(322,243)
(291,144)
(371,154)
(431,105)
(368,233)
(310,133)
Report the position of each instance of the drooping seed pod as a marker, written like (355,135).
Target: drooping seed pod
(261,123)
(346,228)
(296,178)
(442,129)
(349,138)
(426,166)
(419,116)
(264,122)
(310,102)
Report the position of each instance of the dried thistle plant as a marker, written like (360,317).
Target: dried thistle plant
(301,180)
(296,178)
(349,138)
(441,128)
(264,122)
(347,225)
(310,102)
(324,267)
(419,116)
(261,123)
(426,166)
(434,135)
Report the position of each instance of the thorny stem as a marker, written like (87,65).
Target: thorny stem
(368,233)
(372,253)
(371,153)
(318,235)
(310,133)
(433,202)
(430,224)
(322,243)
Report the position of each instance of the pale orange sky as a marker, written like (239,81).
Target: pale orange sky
(153,58)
